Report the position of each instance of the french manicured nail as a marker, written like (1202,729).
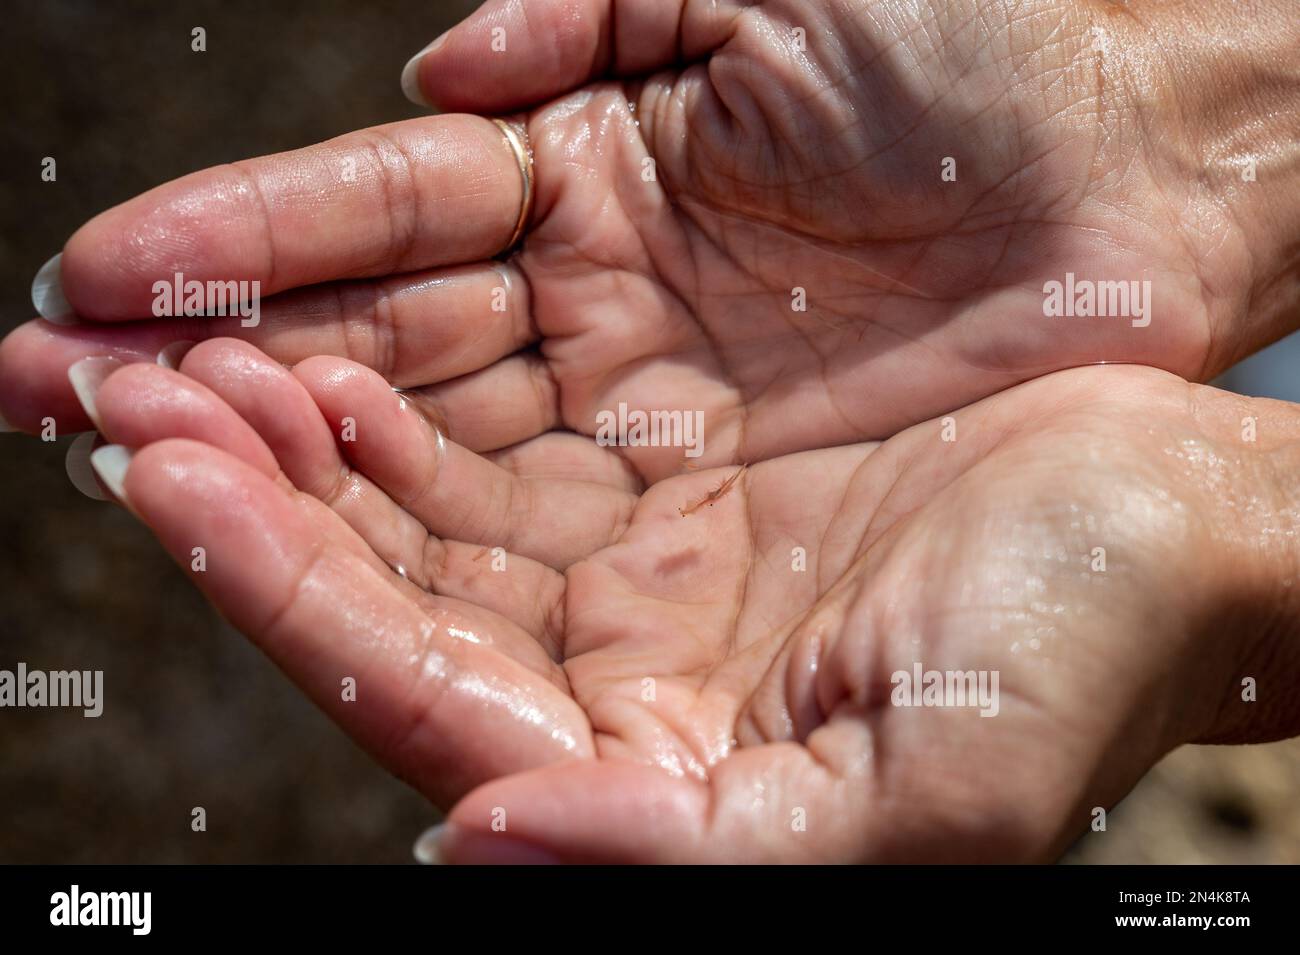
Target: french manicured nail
(47,294)
(171,355)
(86,376)
(77,463)
(411,74)
(5,426)
(428,848)
(110,463)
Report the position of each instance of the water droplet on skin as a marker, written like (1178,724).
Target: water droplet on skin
(468,635)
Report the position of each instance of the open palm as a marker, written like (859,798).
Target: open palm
(623,681)
(765,235)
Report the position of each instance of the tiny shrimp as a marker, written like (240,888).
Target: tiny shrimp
(715,494)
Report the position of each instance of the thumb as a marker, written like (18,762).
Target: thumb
(581,811)
(511,54)
(757,806)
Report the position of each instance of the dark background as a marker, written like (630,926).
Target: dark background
(193,715)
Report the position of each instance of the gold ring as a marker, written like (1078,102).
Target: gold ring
(517,137)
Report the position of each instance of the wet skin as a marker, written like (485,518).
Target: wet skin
(633,684)
(1079,147)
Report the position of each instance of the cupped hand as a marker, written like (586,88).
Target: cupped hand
(705,671)
(766,230)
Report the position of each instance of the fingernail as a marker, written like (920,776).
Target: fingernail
(110,463)
(77,463)
(478,847)
(5,426)
(47,294)
(411,71)
(428,848)
(86,376)
(171,355)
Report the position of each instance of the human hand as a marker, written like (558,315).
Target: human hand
(775,169)
(631,683)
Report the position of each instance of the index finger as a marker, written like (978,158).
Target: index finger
(428,192)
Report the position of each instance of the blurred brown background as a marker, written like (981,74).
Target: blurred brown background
(194,716)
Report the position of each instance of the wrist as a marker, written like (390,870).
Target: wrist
(1246,641)
(1217,94)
